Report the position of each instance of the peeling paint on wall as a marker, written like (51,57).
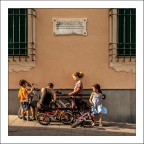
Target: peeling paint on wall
(129,67)
(20,66)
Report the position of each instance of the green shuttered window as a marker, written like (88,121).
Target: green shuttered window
(126,20)
(17,32)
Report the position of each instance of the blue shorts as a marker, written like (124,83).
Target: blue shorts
(25,105)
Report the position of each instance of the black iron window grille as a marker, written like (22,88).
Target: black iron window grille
(21,43)
(122,34)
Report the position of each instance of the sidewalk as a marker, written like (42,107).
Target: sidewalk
(18,127)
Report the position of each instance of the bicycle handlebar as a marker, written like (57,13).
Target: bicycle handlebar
(72,95)
(59,93)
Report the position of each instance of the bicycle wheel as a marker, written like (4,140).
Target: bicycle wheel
(43,119)
(79,121)
(66,117)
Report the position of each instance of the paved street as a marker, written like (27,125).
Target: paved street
(18,127)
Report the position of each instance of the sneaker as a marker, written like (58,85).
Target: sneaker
(29,119)
(100,125)
(20,117)
(24,118)
(33,118)
(93,124)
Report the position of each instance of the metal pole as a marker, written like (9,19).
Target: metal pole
(130,35)
(13,35)
(19,37)
(124,36)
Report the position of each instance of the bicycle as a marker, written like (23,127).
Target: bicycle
(79,110)
(84,116)
(36,93)
(44,116)
(81,119)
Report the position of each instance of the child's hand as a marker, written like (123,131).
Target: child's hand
(98,104)
(70,94)
(32,88)
(92,104)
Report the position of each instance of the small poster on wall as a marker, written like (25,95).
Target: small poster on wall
(69,26)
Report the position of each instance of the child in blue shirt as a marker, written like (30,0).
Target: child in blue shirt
(96,102)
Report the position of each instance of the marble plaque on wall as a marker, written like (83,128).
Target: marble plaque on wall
(69,26)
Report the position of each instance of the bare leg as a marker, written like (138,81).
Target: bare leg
(28,115)
(22,112)
(73,104)
(100,118)
(32,111)
(93,119)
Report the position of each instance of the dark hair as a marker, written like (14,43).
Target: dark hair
(51,85)
(22,82)
(78,74)
(97,86)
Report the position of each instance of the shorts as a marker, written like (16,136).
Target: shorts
(34,103)
(25,105)
(78,102)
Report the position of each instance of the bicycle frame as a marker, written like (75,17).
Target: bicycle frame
(63,104)
(44,117)
(83,116)
(53,113)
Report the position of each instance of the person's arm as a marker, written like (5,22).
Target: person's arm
(18,94)
(29,91)
(78,89)
(90,99)
(42,93)
(74,92)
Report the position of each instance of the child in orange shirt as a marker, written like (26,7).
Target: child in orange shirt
(24,99)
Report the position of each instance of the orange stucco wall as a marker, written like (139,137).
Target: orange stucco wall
(57,57)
